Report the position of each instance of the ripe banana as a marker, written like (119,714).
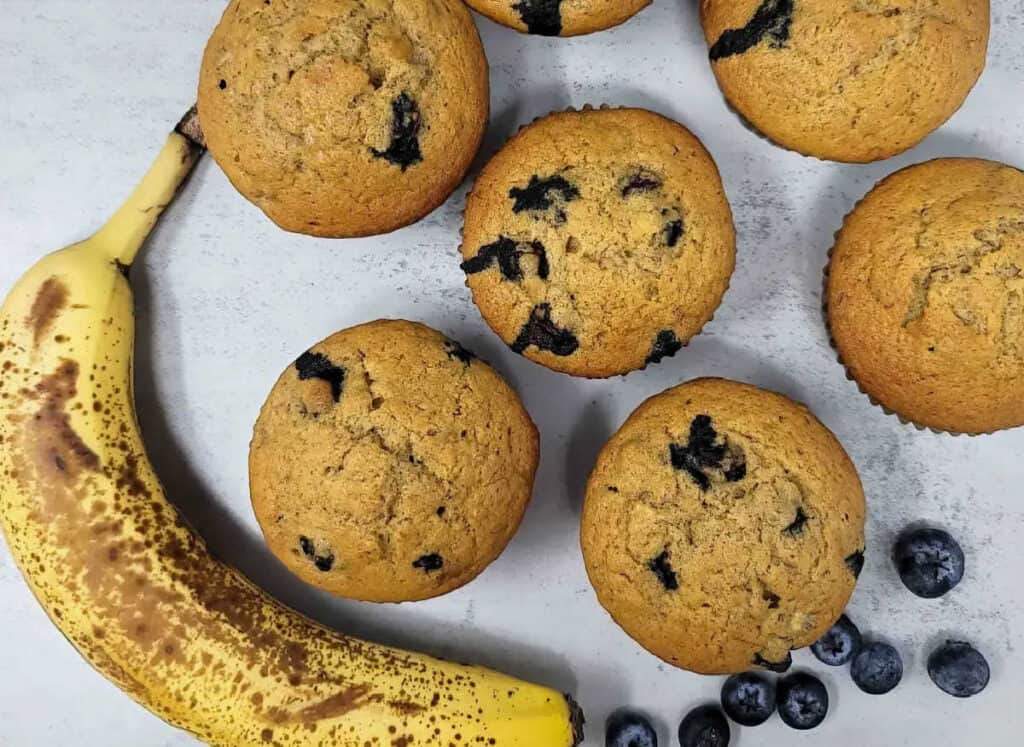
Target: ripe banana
(137,593)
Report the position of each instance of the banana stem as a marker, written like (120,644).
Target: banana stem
(124,234)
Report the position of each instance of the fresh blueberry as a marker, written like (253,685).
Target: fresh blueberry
(629,729)
(958,669)
(803,701)
(877,669)
(704,727)
(930,562)
(748,698)
(840,644)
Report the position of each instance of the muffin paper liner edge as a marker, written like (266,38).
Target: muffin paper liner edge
(839,357)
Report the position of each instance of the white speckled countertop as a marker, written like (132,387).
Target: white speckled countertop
(226,300)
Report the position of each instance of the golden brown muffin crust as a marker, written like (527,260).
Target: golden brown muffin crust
(344,117)
(925,295)
(389,464)
(723,526)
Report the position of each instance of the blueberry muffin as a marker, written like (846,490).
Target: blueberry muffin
(850,81)
(390,464)
(723,526)
(559,17)
(925,295)
(345,118)
(598,241)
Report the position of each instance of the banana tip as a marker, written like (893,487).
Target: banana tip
(190,128)
(576,719)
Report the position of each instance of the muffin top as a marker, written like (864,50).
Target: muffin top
(559,17)
(598,241)
(390,464)
(344,117)
(723,526)
(853,80)
(926,295)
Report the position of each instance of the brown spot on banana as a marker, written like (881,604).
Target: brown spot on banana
(49,303)
(405,707)
(55,444)
(336,705)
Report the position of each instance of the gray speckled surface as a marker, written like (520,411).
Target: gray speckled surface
(226,301)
